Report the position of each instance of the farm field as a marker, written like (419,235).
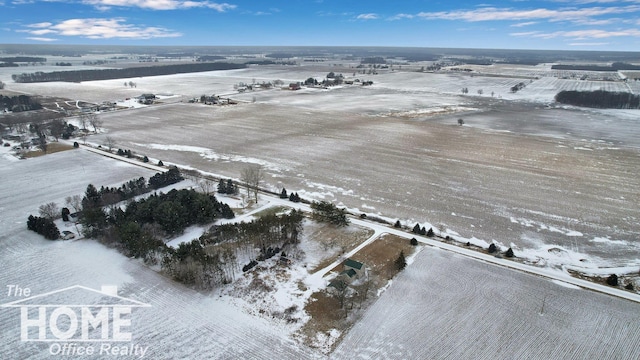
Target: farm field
(531,192)
(447,307)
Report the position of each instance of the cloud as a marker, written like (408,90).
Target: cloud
(509,14)
(402,16)
(369,16)
(159,4)
(589,44)
(527,33)
(581,34)
(523,24)
(590,34)
(115,28)
(42,39)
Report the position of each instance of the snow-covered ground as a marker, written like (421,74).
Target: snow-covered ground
(180,323)
(444,306)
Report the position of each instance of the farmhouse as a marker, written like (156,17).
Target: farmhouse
(353,267)
(146,99)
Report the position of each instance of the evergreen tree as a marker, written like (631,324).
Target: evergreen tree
(91,198)
(416,229)
(65,214)
(283,194)
(43,226)
(401,262)
(423,231)
(222,186)
(160,163)
(145,159)
(414,241)
(430,232)
(612,280)
(509,253)
(232,189)
(492,248)
(397,225)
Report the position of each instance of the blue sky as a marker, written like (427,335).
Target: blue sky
(514,24)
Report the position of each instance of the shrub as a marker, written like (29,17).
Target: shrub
(467,244)
(612,280)
(629,286)
(492,248)
(397,225)
(414,241)
(145,159)
(76,145)
(401,262)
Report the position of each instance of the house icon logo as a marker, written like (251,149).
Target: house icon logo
(76,314)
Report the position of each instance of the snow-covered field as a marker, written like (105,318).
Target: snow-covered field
(525,191)
(444,306)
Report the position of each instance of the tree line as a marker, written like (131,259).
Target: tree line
(613,67)
(106,74)
(112,195)
(600,99)
(19,103)
(137,230)
(43,226)
(27,59)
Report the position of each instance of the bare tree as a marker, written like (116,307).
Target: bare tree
(252,176)
(110,142)
(84,120)
(95,122)
(49,210)
(74,201)
(206,186)
(56,128)
(43,146)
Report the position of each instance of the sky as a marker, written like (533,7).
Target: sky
(606,25)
